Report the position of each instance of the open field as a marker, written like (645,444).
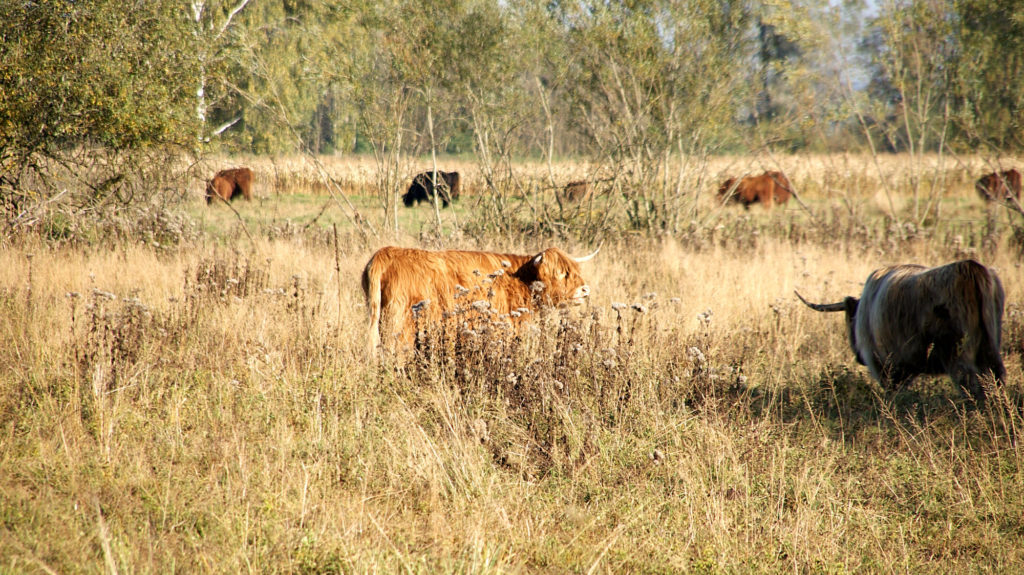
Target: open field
(208,404)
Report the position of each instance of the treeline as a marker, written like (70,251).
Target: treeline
(629,82)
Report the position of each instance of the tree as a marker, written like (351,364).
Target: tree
(211,25)
(87,80)
(652,81)
(989,69)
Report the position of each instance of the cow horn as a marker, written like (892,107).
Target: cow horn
(590,257)
(840,306)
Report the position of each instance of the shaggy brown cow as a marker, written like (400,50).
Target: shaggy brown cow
(769,188)
(397,279)
(423,187)
(914,320)
(230,183)
(576,191)
(999,186)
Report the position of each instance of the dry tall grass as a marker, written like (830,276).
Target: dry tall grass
(210,408)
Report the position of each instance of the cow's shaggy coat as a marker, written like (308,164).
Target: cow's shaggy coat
(423,187)
(576,191)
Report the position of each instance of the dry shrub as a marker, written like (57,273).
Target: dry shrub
(220,279)
(545,395)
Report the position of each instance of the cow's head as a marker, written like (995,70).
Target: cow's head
(554,277)
(726,186)
(212,190)
(848,305)
(988,186)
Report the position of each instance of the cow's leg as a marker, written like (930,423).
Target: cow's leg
(967,379)
(989,361)
(896,378)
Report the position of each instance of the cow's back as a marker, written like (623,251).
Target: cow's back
(229,183)
(768,189)
(959,306)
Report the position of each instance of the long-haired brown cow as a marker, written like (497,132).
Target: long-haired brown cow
(397,279)
(767,189)
(230,183)
(999,186)
(914,320)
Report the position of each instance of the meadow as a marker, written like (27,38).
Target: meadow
(199,397)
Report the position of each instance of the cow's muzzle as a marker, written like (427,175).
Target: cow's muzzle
(581,293)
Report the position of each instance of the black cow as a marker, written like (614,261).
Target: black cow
(423,187)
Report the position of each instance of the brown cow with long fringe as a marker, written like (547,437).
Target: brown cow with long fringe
(396,280)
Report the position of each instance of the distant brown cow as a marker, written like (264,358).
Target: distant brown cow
(769,188)
(999,186)
(576,191)
(230,183)
(397,279)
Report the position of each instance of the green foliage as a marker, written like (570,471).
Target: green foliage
(94,99)
(91,72)
(989,77)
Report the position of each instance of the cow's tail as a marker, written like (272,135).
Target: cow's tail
(371,289)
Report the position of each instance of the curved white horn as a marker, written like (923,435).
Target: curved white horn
(839,306)
(590,257)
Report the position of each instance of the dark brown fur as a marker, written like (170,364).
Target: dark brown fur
(423,187)
(999,186)
(576,191)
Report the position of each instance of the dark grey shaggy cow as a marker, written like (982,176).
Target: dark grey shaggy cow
(914,320)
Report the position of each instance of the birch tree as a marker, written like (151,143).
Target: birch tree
(211,24)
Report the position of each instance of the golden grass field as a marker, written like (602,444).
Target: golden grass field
(210,405)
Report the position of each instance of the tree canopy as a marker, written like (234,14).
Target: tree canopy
(617,80)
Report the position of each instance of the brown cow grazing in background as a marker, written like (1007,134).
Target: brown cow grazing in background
(576,191)
(423,187)
(397,279)
(769,188)
(999,186)
(230,183)
(914,320)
